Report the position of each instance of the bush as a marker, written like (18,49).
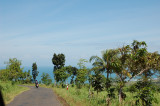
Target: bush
(145,93)
(46,79)
(1,87)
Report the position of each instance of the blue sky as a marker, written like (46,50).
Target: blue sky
(32,30)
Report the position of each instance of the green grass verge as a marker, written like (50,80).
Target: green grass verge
(10,90)
(79,97)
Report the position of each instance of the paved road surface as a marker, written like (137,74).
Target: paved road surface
(36,97)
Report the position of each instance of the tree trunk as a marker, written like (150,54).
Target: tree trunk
(120,95)
(107,75)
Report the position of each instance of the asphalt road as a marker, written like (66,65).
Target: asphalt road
(36,97)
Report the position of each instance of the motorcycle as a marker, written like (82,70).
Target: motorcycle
(37,85)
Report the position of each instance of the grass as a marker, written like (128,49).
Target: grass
(10,90)
(79,97)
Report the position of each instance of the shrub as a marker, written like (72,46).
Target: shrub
(46,79)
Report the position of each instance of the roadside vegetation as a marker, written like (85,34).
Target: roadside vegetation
(10,90)
(11,78)
(128,63)
(81,97)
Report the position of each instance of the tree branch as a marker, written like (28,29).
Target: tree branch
(141,72)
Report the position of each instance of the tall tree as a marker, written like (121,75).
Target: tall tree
(72,72)
(81,63)
(81,73)
(104,64)
(120,68)
(58,62)
(61,75)
(34,71)
(133,61)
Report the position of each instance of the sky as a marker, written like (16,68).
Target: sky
(33,30)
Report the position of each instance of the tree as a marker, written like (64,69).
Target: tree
(132,61)
(145,64)
(58,62)
(98,82)
(104,64)
(14,68)
(28,77)
(4,74)
(81,73)
(46,79)
(34,71)
(81,63)
(61,75)
(119,66)
(81,77)
(145,94)
(72,71)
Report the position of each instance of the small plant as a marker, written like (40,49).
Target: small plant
(98,82)
(132,88)
(78,92)
(13,83)
(145,93)
(111,93)
(1,87)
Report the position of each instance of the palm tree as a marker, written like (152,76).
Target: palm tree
(104,64)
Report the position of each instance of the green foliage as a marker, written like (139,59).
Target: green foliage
(108,83)
(46,79)
(10,89)
(111,93)
(28,77)
(58,61)
(76,97)
(61,75)
(34,71)
(98,82)
(132,88)
(14,69)
(14,72)
(145,94)
(72,71)
(81,73)
(81,77)
(127,63)
(81,63)
(4,74)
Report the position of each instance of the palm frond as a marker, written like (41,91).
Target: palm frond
(95,58)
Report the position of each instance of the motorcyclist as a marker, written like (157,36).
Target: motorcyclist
(36,83)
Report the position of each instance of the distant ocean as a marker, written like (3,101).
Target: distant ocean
(49,70)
